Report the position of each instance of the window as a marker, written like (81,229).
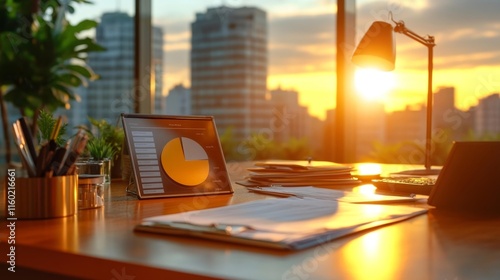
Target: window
(254,64)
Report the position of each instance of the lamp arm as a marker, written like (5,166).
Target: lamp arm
(401,28)
(429,43)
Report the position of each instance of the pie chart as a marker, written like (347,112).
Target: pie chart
(185,161)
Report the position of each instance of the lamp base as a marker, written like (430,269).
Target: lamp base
(419,172)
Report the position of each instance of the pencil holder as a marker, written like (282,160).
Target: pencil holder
(41,198)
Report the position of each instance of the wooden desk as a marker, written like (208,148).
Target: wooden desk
(101,244)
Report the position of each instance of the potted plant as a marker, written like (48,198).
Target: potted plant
(101,154)
(105,142)
(42,57)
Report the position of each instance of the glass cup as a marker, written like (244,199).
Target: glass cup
(90,191)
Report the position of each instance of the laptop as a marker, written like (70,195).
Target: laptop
(470,179)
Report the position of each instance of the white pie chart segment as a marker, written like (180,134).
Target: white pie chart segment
(193,150)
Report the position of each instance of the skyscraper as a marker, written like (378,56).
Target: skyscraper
(229,69)
(444,105)
(113,93)
(178,101)
(487,116)
(290,119)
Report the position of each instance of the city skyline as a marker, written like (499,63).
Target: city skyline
(303,60)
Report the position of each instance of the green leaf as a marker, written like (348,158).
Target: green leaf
(46,123)
(91,45)
(81,26)
(62,88)
(10,43)
(99,149)
(70,79)
(82,70)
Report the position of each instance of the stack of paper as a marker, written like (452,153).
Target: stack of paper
(299,173)
(287,223)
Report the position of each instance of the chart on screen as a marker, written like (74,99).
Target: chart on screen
(185,161)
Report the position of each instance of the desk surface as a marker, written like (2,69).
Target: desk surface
(101,243)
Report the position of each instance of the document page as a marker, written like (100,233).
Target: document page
(293,222)
(332,194)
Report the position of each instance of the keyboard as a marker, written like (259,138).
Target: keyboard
(405,185)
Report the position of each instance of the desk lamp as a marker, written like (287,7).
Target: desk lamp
(377,50)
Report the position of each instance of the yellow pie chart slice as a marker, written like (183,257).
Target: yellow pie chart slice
(185,161)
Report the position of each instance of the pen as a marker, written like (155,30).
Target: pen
(57,160)
(48,150)
(40,160)
(55,130)
(28,137)
(65,156)
(28,162)
(76,151)
(54,134)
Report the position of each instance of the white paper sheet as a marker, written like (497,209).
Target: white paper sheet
(289,215)
(331,194)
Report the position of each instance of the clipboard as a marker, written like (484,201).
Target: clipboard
(281,223)
(175,156)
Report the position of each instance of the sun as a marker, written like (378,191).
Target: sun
(373,84)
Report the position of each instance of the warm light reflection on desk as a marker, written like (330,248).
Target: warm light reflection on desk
(367,169)
(373,256)
(366,172)
(366,189)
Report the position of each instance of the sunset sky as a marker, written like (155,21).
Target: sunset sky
(301,45)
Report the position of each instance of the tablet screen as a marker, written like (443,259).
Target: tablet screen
(175,155)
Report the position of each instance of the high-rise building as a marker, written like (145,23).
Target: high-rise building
(157,66)
(289,118)
(229,69)
(113,93)
(407,125)
(178,101)
(447,118)
(444,106)
(487,116)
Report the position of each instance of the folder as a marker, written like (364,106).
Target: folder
(282,223)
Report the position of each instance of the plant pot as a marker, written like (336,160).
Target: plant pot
(95,167)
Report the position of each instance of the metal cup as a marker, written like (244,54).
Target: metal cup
(40,198)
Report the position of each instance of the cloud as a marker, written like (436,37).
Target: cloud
(461,28)
(467,34)
(302,29)
(301,43)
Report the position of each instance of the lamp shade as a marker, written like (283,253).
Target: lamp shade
(377,48)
